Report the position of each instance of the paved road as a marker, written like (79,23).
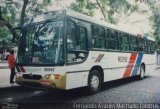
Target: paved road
(120,91)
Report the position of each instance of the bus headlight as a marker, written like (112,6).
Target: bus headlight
(18,75)
(58,76)
(53,76)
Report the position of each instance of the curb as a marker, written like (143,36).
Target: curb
(3,67)
(3,61)
(2,87)
(158,68)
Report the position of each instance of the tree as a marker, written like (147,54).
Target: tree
(155,16)
(111,10)
(33,7)
(5,37)
(155,19)
(84,6)
(10,8)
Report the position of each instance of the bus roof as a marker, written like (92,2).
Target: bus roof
(149,38)
(84,17)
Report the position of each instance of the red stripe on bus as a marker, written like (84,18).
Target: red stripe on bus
(101,58)
(130,65)
(98,58)
(22,69)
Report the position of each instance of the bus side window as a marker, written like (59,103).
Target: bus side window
(76,43)
(124,41)
(82,41)
(71,34)
(146,46)
(112,39)
(133,43)
(152,47)
(140,44)
(98,37)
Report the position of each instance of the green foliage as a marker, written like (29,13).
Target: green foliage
(5,37)
(112,10)
(155,20)
(34,7)
(84,6)
(3,32)
(157,42)
(11,10)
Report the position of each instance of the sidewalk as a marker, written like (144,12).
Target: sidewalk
(9,86)
(4,77)
(158,66)
(3,67)
(3,64)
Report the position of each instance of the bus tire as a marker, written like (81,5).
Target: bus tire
(94,81)
(142,72)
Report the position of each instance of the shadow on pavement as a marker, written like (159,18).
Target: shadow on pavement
(14,89)
(60,98)
(120,82)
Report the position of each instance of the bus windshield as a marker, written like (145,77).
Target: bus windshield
(42,44)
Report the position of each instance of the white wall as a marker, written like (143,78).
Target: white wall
(158,58)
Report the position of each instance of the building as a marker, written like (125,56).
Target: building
(158,56)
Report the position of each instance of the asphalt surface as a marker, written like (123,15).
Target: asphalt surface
(128,90)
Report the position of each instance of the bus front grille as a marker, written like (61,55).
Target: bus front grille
(33,77)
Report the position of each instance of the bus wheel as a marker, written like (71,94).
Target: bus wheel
(94,82)
(142,72)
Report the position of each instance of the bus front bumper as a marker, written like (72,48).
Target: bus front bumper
(46,82)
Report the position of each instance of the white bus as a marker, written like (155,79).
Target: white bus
(65,50)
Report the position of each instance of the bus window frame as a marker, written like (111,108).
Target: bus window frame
(103,47)
(116,41)
(77,24)
(124,42)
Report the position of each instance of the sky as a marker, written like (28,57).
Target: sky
(138,23)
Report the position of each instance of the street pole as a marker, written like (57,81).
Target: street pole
(3,46)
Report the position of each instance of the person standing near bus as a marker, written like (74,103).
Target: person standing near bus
(11,63)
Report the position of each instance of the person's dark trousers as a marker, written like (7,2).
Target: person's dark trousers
(12,75)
